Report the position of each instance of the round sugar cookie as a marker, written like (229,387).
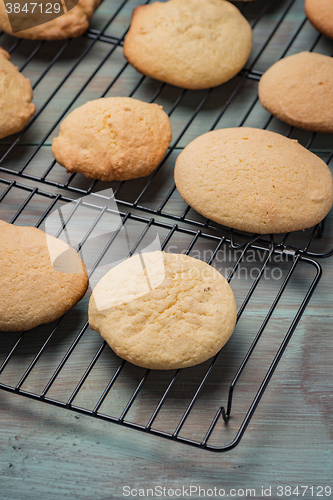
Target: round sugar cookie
(115,138)
(299,90)
(254,180)
(163,311)
(70,25)
(16,107)
(320,14)
(196,43)
(41,278)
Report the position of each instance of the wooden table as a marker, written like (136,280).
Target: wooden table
(52,453)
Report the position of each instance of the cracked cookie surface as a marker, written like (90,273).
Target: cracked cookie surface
(115,138)
(163,311)
(41,277)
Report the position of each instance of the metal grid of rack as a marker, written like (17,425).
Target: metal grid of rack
(75,71)
(188,384)
(185,405)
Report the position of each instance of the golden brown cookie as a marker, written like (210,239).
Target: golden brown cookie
(114,138)
(254,180)
(41,277)
(163,311)
(193,44)
(70,25)
(16,107)
(320,14)
(299,90)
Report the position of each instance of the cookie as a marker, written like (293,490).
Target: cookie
(320,14)
(115,138)
(41,278)
(298,90)
(70,25)
(163,311)
(196,43)
(254,180)
(16,107)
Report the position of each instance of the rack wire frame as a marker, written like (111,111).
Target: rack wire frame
(116,41)
(222,411)
(160,217)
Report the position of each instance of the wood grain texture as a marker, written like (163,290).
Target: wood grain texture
(53,453)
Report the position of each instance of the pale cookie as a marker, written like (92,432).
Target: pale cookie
(299,90)
(41,278)
(254,180)
(193,44)
(163,311)
(16,107)
(115,138)
(320,14)
(70,25)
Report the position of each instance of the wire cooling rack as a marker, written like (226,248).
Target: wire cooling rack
(66,364)
(66,74)
(63,363)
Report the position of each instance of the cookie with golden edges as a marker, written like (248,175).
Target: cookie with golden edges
(320,14)
(41,278)
(196,43)
(254,180)
(16,107)
(163,311)
(115,138)
(298,90)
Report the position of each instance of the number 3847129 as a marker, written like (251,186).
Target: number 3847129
(49,8)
